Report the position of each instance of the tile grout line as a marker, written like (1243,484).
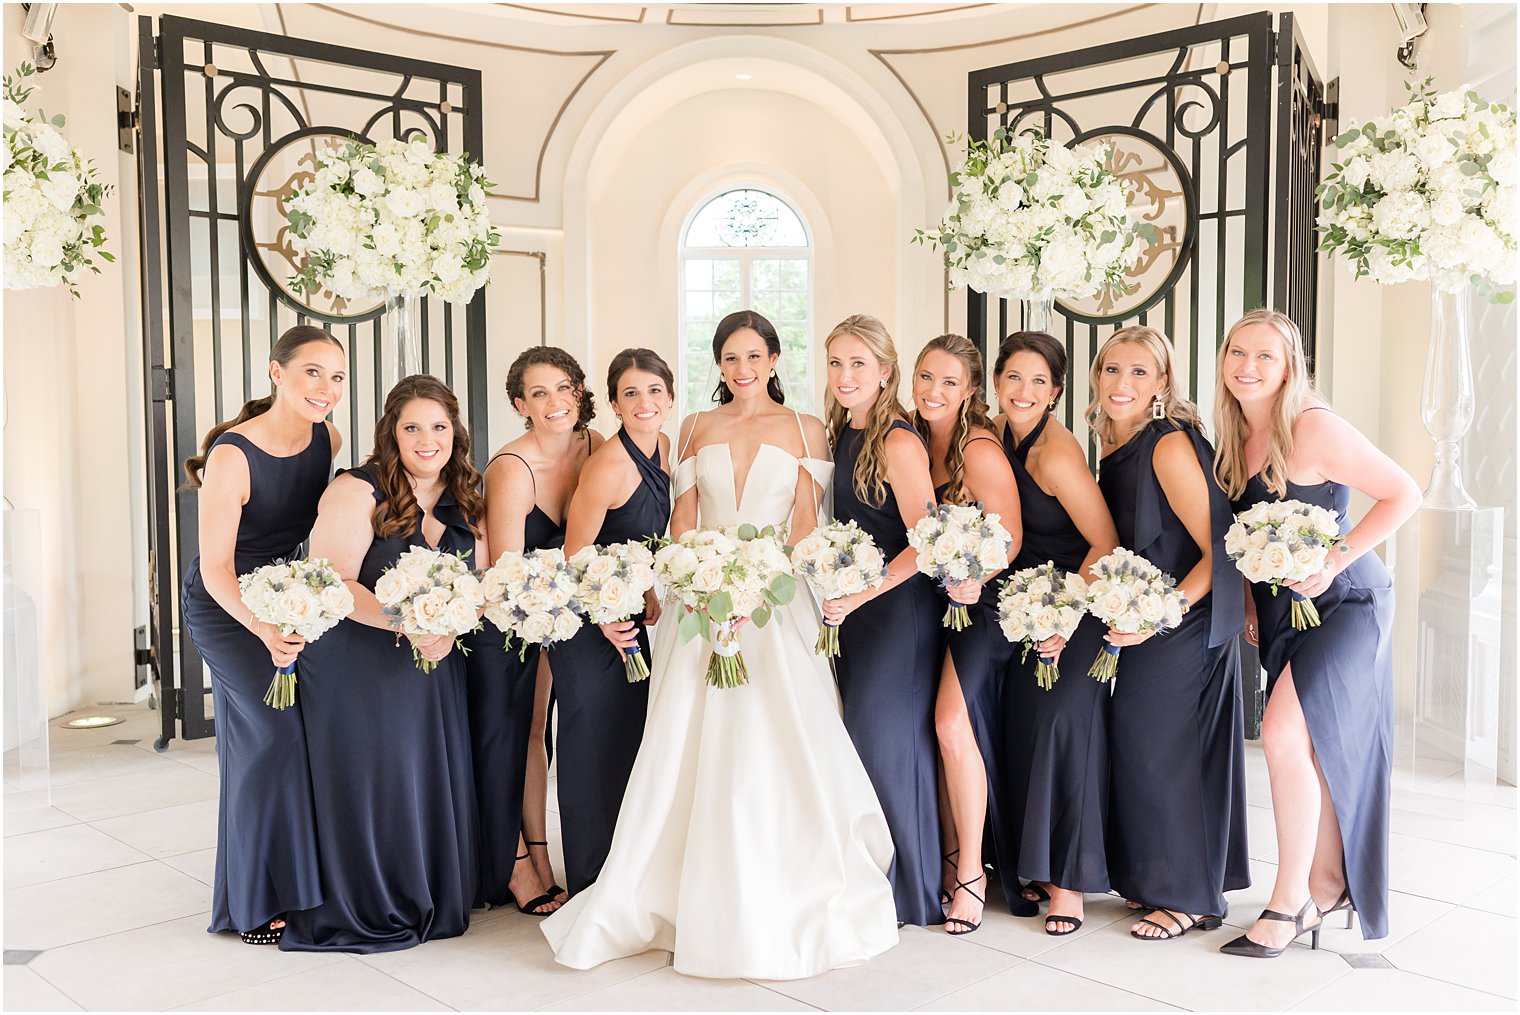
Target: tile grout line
(126,930)
(257,983)
(409,986)
(1089,979)
(1451,983)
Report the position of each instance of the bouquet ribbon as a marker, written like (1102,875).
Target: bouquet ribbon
(282,689)
(1106,666)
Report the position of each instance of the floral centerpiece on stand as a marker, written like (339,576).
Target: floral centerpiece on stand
(51,194)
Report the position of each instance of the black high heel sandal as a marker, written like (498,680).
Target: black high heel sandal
(965,886)
(1342,903)
(268,934)
(948,858)
(530,908)
(1243,945)
(554,890)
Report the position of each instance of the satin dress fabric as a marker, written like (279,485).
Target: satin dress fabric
(751,843)
(391,771)
(1177,803)
(266,842)
(890,655)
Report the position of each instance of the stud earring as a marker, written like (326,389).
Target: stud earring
(884,384)
(1158,408)
(1051,407)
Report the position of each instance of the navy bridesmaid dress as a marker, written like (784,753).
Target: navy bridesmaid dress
(1177,806)
(266,842)
(390,765)
(1343,673)
(1054,743)
(601,715)
(890,654)
(500,695)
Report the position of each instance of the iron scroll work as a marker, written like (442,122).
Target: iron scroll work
(231,123)
(1192,121)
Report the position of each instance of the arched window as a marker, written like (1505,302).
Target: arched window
(746,249)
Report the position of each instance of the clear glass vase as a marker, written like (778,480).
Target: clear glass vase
(401,351)
(1039,314)
(1446,403)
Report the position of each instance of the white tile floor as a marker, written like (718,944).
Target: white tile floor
(106,891)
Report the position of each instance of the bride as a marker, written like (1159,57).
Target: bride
(750,842)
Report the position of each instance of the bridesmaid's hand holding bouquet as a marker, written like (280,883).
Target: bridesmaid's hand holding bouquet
(306,598)
(838,560)
(1038,603)
(610,585)
(430,593)
(959,543)
(1283,543)
(1133,597)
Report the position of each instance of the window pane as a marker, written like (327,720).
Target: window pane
(699,274)
(725,274)
(791,274)
(724,303)
(765,274)
(698,305)
(782,305)
(745,218)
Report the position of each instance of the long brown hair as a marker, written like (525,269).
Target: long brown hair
(552,356)
(972,415)
(282,352)
(1230,427)
(870,476)
(1177,408)
(398,512)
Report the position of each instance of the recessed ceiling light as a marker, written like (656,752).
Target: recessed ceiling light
(91,722)
(743,77)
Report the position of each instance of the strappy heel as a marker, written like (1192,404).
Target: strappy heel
(1243,945)
(1075,921)
(949,859)
(1040,894)
(1342,903)
(1168,933)
(268,934)
(965,886)
(554,890)
(530,908)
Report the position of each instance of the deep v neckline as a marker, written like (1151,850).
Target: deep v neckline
(739,490)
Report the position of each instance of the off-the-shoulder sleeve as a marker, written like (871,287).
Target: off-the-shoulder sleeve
(685,475)
(821,469)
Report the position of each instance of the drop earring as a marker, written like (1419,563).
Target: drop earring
(1052,406)
(1158,408)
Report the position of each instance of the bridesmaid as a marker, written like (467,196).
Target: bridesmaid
(890,638)
(508,698)
(1328,728)
(390,745)
(260,477)
(968,467)
(1055,743)
(1177,817)
(624,494)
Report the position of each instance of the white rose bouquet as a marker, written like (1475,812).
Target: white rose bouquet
(1038,603)
(957,542)
(1426,192)
(611,582)
(393,217)
(430,592)
(838,559)
(50,196)
(531,596)
(721,576)
(1130,595)
(1284,541)
(1031,219)
(304,597)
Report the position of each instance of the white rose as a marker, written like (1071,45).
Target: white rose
(565,625)
(1276,560)
(536,628)
(468,587)
(429,610)
(337,600)
(296,605)
(708,576)
(1152,609)
(511,570)
(533,598)
(461,616)
(614,596)
(1111,605)
(1252,564)
(392,587)
(1310,559)
(601,568)
(416,562)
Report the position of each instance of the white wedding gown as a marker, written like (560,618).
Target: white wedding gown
(750,842)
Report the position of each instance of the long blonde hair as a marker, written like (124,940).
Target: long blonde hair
(870,476)
(1178,409)
(972,415)
(1230,422)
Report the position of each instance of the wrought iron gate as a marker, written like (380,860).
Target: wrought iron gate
(231,121)
(1190,117)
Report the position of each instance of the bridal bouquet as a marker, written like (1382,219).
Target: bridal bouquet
(838,559)
(304,597)
(531,596)
(1284,541)
(1038,603)
(430,592)
(1130,595)
(957,542)
(721,576)
(50,197)
(1426,192)
(393,217)
(1031,219)
(611,582)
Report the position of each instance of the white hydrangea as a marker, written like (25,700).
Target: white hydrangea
(1427,193)
(1032,219)
(396,217)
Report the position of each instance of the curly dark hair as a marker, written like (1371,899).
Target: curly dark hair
(398,512)
(552,356)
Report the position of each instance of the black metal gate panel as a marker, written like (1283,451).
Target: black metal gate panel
(231,121)
(1190,117)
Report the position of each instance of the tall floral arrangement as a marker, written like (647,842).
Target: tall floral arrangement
(51,194)
(395,217)
(1031,219)
(1426,193)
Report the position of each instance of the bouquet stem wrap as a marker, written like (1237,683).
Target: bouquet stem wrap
(957,617)
(1305,614)
(828,641)
(634,667)
(1045,672)
(282,689)
(725,668)
(1106,666)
